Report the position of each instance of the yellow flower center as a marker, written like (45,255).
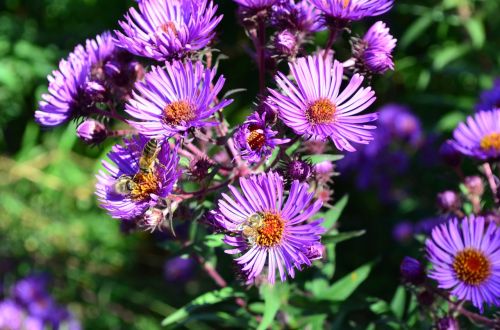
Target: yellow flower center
(491,141)
(145,185)
(271,231)
(471,266)
(256,139)
(178,112)
(321,111)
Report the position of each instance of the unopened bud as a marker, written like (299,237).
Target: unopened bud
(92,132)
(448,201)
(286,43)
(412,271)
(474,185)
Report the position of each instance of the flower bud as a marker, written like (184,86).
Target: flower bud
(286,43)
(412,271)
(474,185)
(199,168)
(179,269)
(297,169)
(92,132)
(449,155)
(447,323)
(324,171)
(153,219)
(315,252)
(448,201)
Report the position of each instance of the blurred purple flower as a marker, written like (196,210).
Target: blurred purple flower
(11,315)
(425,226)
(412,271)
(465,260)
(30,289)
(256,139)
(314,106)
(266,229)
(256,4)
(479,137)
(449,154)
(179,269)
(403,232)
(166,30)
(490,99)
(175,99)
(297,16)
(146,188)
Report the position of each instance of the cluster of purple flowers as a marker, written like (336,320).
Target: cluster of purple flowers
(30,306)
(463,243)
(174,113)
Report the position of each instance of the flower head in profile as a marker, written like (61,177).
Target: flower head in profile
(374,51)
(352,10)
(465,259)
(175,99)
(271,230)
(166,29)
(256,139)
(314,106)
(67,97)
(125,190)
(490,99)
(256,4)
(479,136)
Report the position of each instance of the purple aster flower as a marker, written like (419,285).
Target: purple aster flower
(11,315)
(92,132)
(374,51)
(465,260)
(42,307)
(479,137)
(352,10)
(125,190)
(175,100)
(296,169)
(256,139)
(166,30)
(256,4)
(67,98)
(315,107)
(490,99)
(299,16)
(179,269)
(269,231)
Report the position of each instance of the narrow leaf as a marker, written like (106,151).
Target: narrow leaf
(340,237)
(332,215)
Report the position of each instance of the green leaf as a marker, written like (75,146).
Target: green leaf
(214,240)
(415,30)
(398,302)
(272,301)
(331,216)
(450,121)
(315,159)
(475,28)
(444,55)
(206,299)
(340,237)
(343,288)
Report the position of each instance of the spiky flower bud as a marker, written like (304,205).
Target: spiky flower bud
(92,132)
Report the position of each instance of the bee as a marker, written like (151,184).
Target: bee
(148,156)
(250,228)
(124,185)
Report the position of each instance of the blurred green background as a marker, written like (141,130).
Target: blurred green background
(447,53)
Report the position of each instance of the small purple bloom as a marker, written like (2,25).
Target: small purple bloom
(286,43)
(352,10)
(256,4)
(490,99)
(397,121)
(30,289)
(474,185)
(465,260)
(425,226)
(449,201)
(374,51)
(270,230)
(92,132)
(412,271)
(296,169)
(314,106)
(256,139)
(173,100)
(126,191)
(33,323)
(179,269)
(479,137)
(67,98)
(11,315)
(299,16)
(166,30)
(324,171)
